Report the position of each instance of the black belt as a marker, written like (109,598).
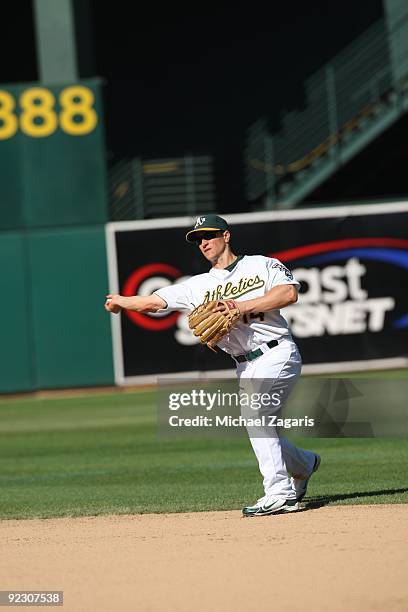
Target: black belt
(254,354)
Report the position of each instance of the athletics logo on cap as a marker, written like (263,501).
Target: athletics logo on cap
(199,222)
(210,222)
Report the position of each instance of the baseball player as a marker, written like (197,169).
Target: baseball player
(259,343)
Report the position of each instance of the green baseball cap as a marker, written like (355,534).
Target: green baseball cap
(207,223)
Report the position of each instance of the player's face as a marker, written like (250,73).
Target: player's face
(212,244)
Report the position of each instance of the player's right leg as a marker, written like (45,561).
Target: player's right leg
(271,375)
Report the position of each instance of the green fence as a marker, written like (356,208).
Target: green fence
(52,155)
(17,368)
(53,202)
(54,330)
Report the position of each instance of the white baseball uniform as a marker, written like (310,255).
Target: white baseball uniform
(275,370)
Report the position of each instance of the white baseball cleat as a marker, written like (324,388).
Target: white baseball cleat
(271,504)
(300,484)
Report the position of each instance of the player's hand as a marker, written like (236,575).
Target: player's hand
(228,304)
(225,306)
(112,303)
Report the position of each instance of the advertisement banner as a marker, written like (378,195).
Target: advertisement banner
(351,261)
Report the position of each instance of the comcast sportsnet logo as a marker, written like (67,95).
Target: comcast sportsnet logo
(336,296)
(144,281)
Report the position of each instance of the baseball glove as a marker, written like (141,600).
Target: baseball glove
(210,324)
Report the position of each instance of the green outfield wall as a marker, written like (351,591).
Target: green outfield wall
(16,371)
(54,330)
(52,155)
(53,209)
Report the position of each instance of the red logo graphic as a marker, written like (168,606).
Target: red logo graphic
(131,287)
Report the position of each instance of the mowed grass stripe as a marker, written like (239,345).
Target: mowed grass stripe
(100,454)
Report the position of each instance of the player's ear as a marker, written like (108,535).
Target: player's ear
(227,236)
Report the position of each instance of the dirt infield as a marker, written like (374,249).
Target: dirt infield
(339,558)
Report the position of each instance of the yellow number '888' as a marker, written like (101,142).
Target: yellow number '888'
(37,103)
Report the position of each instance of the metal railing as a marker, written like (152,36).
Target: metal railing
(143,189)
(342,96)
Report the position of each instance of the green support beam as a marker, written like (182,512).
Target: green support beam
(55,39)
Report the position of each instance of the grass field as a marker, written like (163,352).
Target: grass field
(96,454)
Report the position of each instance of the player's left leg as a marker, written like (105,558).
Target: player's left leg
(299,462)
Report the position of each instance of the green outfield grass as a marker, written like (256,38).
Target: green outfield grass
(98,454)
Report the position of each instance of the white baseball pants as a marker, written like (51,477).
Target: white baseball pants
(276,371)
